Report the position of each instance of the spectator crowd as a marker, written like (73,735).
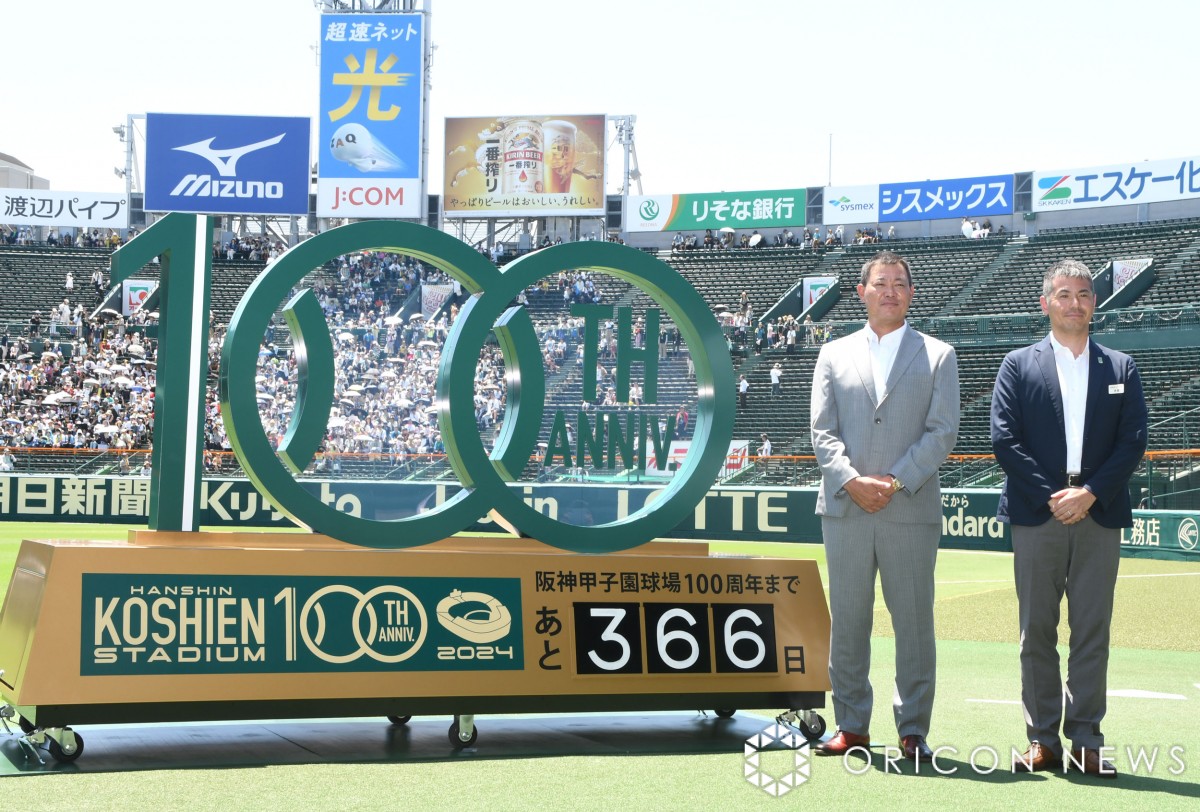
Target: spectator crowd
(85,382)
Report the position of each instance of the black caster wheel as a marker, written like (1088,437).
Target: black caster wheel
(814,731)
(27,726)
(399,720)
(457,742)
(725,713)
(59,754)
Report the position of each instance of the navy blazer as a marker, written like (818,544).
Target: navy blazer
(1029,435)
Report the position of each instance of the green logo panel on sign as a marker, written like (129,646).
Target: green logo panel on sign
(146,624)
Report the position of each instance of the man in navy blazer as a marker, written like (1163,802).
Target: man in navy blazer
(1069,430)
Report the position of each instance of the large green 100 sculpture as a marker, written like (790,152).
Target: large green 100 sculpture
(484,477)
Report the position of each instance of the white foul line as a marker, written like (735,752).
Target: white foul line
(1120,693)
(1132,575)
(1136,693)
(996,701)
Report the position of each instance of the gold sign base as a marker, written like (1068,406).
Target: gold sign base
(169,627)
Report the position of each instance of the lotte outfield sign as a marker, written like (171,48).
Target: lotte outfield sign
(626,439)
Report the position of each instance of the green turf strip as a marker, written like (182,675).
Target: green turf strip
(1156,647)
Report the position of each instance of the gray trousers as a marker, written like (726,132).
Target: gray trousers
(904,555)
(1080,561)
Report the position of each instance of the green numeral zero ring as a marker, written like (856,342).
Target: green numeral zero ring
(484,477)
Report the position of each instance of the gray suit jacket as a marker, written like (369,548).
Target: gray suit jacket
(908,434)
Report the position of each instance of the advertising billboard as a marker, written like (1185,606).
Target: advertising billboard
(524,165)
(760,209)
(134,293)
(369,130)
(1124,270)
(42,207)
(851,204)
(946,199)
(814,288)
(1117,185)
(204,164)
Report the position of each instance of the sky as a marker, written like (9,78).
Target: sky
(757,94)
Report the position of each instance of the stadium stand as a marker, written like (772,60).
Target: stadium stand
(943,270)
(979,295)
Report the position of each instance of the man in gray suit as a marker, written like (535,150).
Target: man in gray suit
(885,409)
(1069,429)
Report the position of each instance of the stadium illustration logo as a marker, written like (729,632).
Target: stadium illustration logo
(474,616)
(1188,533)
(1055,190)
(649,210)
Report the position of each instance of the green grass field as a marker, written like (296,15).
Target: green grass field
(1154,682)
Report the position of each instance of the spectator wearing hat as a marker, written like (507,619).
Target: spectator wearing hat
(776,381)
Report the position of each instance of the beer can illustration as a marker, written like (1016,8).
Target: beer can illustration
(523,157)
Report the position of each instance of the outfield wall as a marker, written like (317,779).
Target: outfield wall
(736,513)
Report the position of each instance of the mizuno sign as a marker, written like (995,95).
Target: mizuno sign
(207,186)
(227,164)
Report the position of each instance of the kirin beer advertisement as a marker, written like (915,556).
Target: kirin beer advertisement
(524,165)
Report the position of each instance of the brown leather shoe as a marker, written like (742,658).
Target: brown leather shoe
(1087,760)
(915,748)
(843,742)
(1036,759)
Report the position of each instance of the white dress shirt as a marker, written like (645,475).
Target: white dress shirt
(1073,383)
(883,356)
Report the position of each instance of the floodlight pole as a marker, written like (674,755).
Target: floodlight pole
(128,138)
(128,156)
(625,136)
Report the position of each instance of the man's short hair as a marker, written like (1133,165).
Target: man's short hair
(1070,268)
(885,258)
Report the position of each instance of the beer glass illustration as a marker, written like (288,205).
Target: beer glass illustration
(560,155)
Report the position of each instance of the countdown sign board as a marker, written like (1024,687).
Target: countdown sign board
(170,632)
